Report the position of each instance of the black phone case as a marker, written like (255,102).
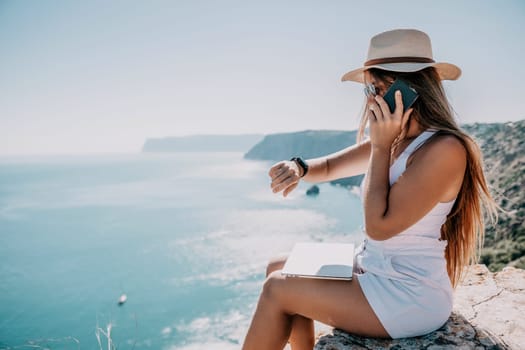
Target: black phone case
(409,95)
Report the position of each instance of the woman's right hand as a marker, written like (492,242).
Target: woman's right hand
(285,176)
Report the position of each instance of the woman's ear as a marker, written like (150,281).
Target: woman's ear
(405,122)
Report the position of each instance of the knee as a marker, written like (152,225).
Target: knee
(272,286)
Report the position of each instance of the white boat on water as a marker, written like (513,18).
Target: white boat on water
(122,299)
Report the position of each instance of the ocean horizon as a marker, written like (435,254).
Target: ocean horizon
(186,236)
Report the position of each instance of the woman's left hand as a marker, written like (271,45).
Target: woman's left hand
(386,126)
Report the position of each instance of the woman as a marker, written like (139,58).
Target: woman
(424,195)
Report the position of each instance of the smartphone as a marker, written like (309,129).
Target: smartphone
(409,95)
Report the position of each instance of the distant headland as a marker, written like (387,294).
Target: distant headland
(202,143)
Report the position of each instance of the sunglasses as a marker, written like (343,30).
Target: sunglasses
(370,90)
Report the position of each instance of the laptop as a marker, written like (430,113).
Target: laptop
(320,260)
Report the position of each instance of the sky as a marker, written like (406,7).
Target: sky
(98,76)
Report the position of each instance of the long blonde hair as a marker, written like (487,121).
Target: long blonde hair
(464,228)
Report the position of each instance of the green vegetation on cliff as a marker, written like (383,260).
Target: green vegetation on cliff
(503,148)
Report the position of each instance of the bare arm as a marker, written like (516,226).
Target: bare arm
(348,162)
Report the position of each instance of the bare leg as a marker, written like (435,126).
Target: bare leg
(337,303)
(302,335)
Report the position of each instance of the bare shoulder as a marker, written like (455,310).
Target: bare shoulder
(443,149)
(442,163)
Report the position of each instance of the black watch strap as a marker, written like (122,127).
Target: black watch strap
(301,163)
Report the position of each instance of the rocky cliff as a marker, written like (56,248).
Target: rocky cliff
(307,144)
(503,147)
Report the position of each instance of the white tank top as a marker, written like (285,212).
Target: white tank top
(419,245)
(430,224)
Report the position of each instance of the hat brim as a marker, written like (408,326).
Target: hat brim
(446,71)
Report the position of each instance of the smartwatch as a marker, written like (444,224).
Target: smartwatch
(301,163)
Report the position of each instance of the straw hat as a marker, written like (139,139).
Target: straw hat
(402,50)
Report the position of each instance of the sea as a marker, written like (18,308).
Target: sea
(185,236)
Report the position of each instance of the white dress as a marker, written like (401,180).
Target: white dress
(405,278)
